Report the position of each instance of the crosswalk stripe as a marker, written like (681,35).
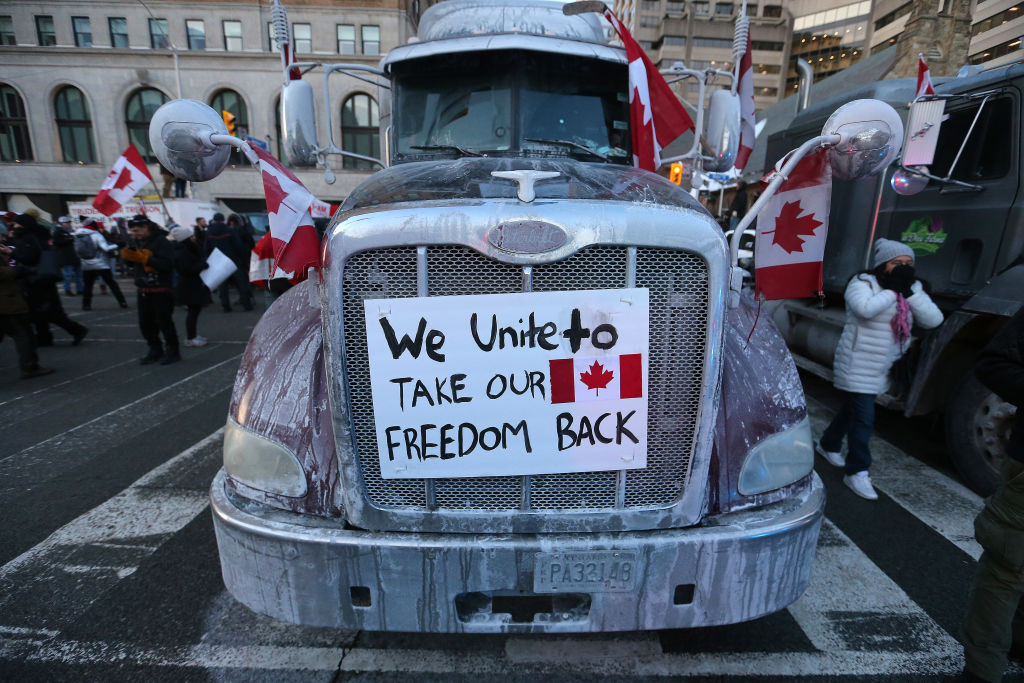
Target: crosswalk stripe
(130,526)
(945,505)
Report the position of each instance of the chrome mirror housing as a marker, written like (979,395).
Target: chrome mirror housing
(179,134)
(298,123)
(906,182)
(871,134)
(722,131)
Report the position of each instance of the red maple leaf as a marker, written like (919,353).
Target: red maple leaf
(596,377)
(275,193)
(790,225)
(123,180)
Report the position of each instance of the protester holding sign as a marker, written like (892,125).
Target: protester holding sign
(191,292)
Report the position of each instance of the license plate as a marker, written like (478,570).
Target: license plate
(596,571)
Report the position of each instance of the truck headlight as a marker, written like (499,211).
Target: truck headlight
(263,464)
(778,460)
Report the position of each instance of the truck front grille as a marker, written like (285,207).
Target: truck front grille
(678,284)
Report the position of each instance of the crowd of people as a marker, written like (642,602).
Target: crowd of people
(165,265)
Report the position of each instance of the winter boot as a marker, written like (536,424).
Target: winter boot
(154,355)
(171,356)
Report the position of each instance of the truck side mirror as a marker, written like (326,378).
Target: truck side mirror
(179,134)
(298,123)
(871,134)
(722,131)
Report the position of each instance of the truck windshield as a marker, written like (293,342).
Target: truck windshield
(507,103)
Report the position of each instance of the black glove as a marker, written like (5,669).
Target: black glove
(901,279)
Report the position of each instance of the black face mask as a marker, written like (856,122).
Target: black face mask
(900,278)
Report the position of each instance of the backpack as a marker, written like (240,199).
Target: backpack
(85,247)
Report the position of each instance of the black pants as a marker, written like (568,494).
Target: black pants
(90,278)
(156,317)
(192,321)
(17,327)
(240,279)
(47,310)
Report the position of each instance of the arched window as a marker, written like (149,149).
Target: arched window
(139,110)
(74,125)
(359,130)
(231,102)
(14,141)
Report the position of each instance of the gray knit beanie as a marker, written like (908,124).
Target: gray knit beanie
(886,250)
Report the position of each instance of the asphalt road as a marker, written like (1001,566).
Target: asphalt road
(109,570)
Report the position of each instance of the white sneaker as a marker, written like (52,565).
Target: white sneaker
(860,483)
(833,457)
(199,341)
(188,342)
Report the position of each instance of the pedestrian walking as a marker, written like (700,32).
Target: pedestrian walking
(71,266)
(14,315)
(995,610)
(153,259)
(881,307)
(221,236)
(32,248)
(95,251)
(192,292)
(738,207)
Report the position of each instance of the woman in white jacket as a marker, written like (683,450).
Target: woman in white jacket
(881,307)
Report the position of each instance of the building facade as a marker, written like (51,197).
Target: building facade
(80,80)
(700,33)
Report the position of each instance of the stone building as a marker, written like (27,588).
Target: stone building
(78,81)
(699,33)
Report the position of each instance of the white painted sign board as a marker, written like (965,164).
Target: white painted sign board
(509,384)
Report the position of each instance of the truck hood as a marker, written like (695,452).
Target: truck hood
(471,178)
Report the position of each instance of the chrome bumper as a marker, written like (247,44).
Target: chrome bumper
(308,571)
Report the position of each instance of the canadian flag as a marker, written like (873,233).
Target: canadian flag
(123,182)
(791,228)
(319,209)
(745,89)
(656,115)
(292,235)
(924,78)
(261,263)
(574,380)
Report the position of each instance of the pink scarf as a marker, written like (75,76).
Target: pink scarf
(900,322)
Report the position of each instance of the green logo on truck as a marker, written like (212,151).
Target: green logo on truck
(924,235)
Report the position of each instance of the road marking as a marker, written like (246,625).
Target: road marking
(130,527)
(127,410)
(73,379)
(945,505)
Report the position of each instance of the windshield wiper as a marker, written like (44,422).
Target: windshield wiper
(464,151)
(570,143)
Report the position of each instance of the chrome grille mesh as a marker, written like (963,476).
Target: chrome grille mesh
(678,284)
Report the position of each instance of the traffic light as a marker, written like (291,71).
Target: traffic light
(229,120)
(675,173)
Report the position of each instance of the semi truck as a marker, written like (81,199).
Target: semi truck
(524,393)
(966,227)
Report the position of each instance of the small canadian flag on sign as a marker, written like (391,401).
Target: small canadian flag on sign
(595,379)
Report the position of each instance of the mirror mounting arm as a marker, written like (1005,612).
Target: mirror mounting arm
(239,144)
(331,147)
(736,280)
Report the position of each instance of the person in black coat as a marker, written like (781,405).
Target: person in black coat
(192,292)
(153,258)
(67,258)
(31,240)
(222,236)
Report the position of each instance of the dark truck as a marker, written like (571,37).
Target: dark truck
(966,228)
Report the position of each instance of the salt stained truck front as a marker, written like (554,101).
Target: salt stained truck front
(518,399)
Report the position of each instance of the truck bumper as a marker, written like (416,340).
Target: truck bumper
(305,570)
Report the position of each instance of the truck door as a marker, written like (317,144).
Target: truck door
(956,233)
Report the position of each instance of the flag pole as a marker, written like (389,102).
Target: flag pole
(161,198)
